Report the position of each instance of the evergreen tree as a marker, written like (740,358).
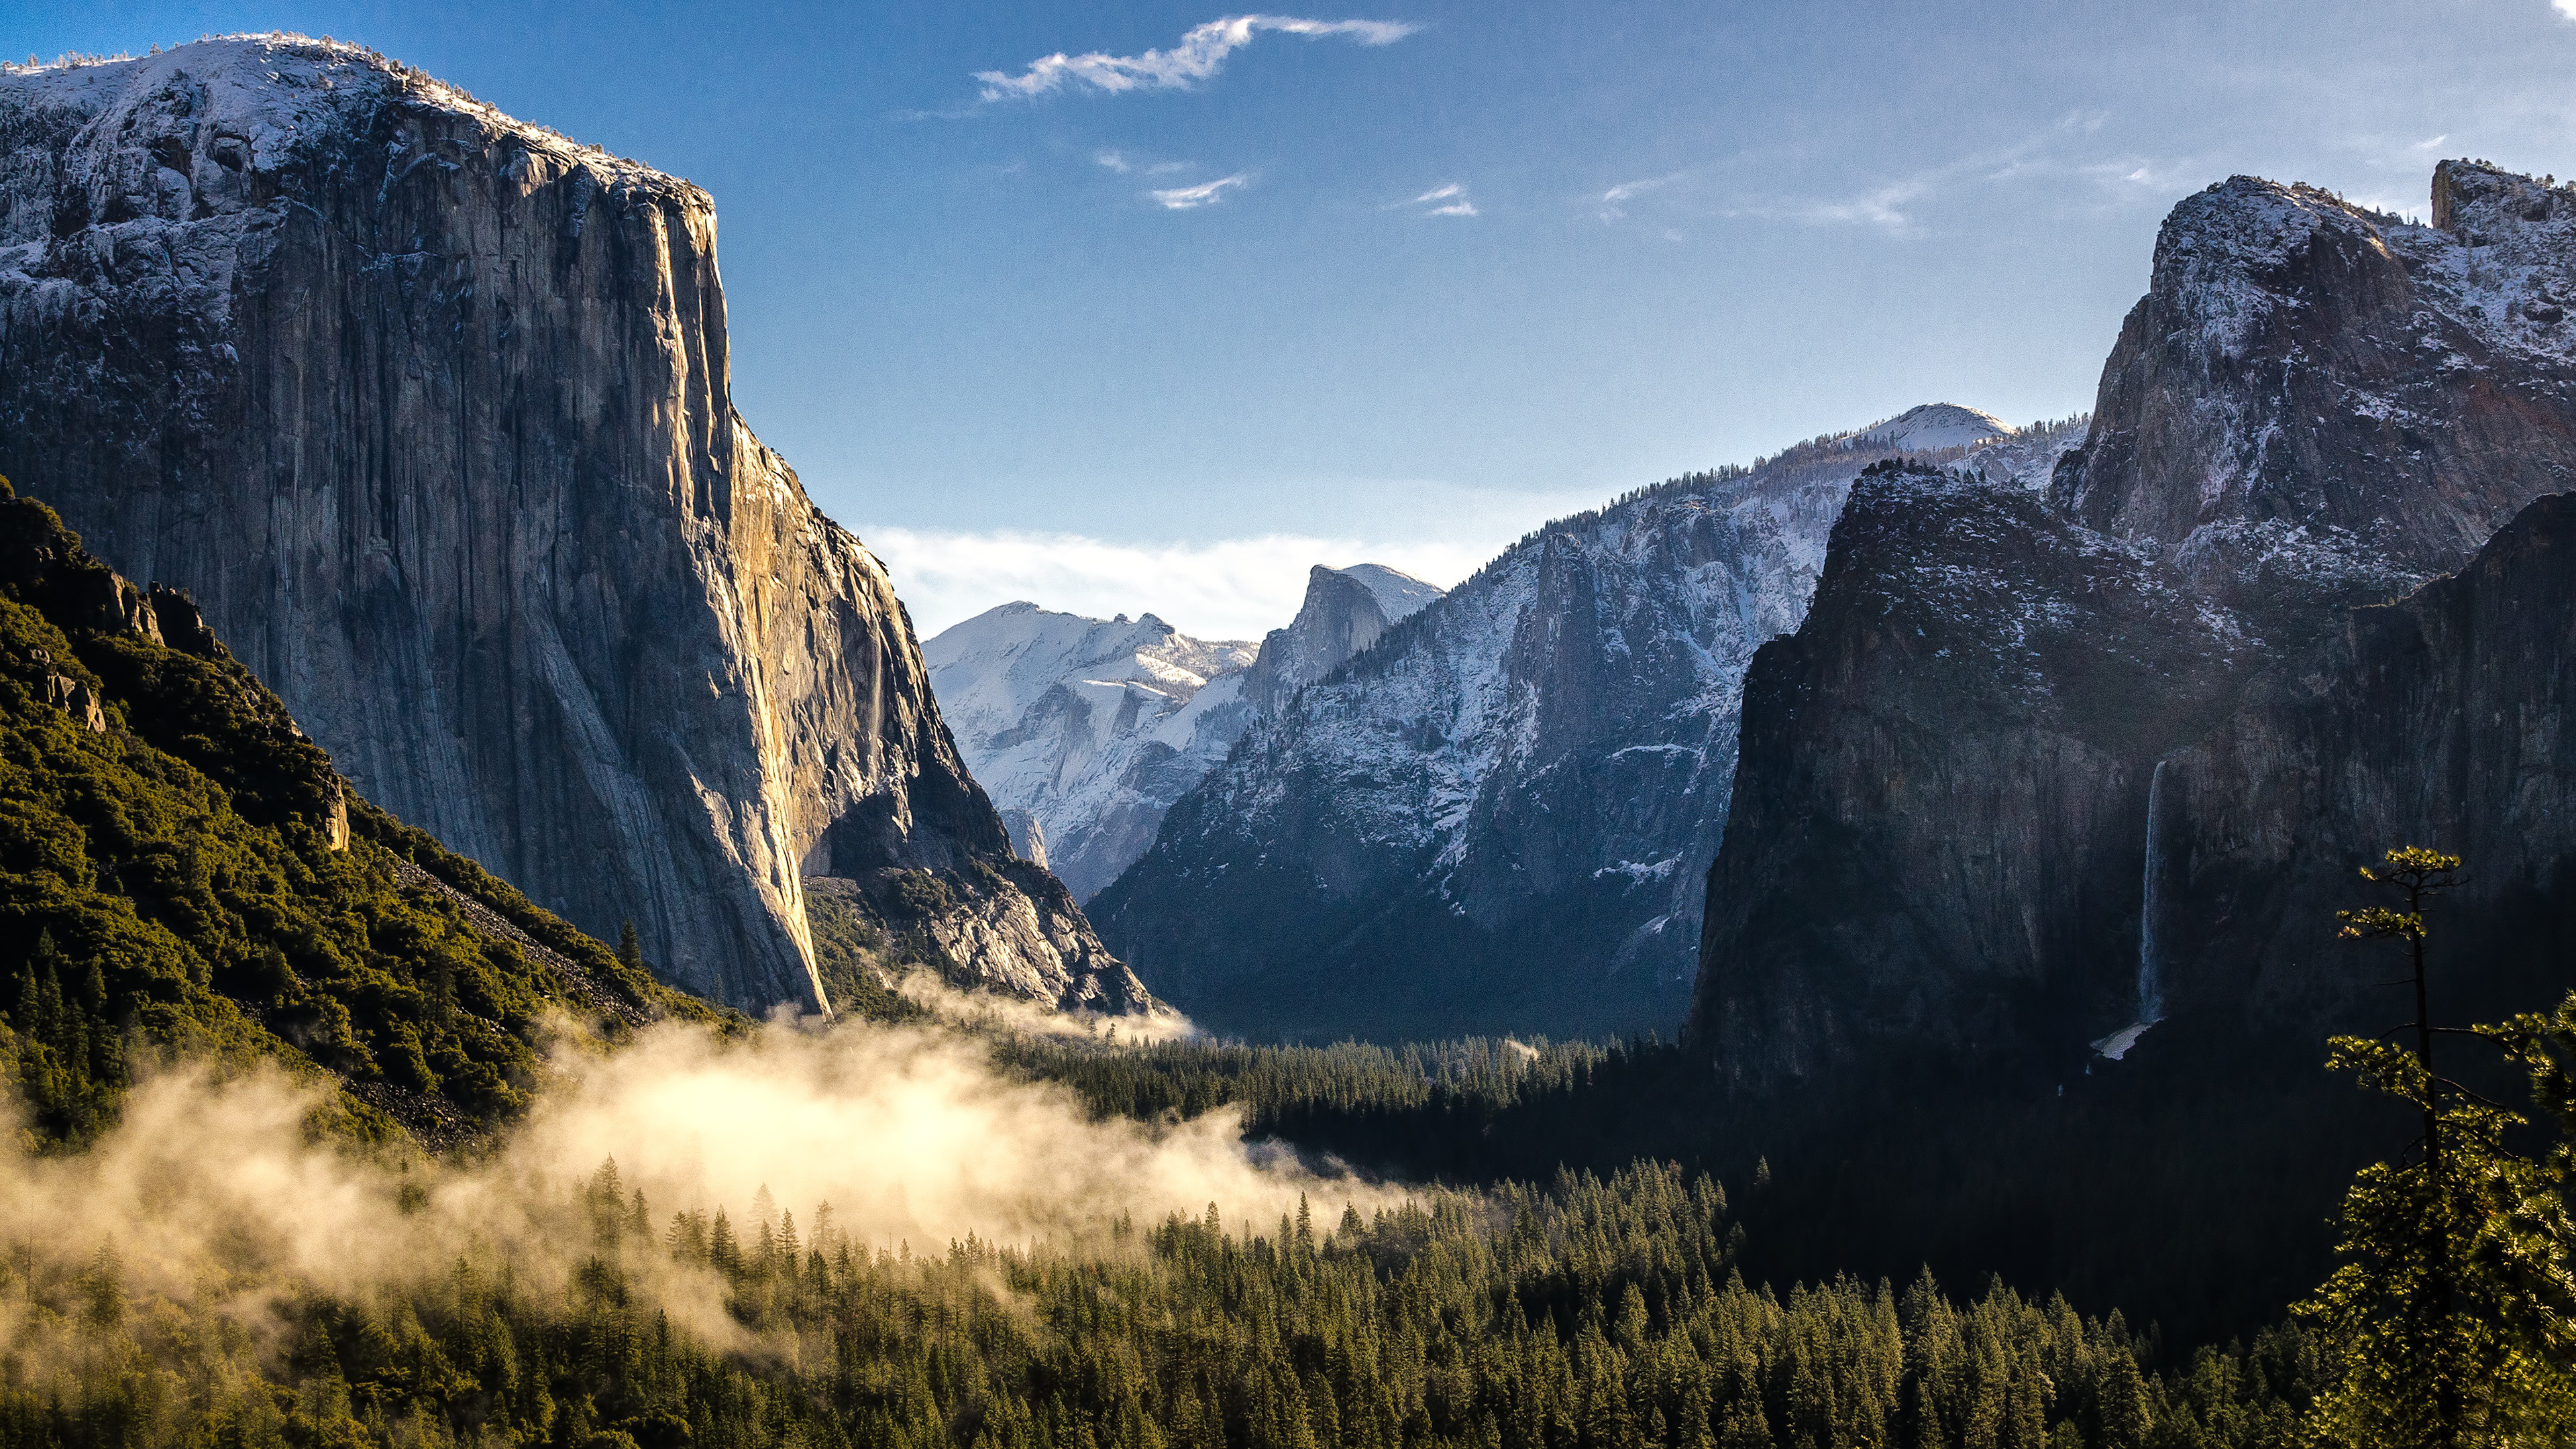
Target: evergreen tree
(2445,1321)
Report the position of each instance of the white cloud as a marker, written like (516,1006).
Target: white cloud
(1614,202)
(1448,199)
(1880,207)
(1236,588)
(1206,193)
(2566,8)
(1195,59)
(1115,161)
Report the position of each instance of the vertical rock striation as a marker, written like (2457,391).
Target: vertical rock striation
(430,410)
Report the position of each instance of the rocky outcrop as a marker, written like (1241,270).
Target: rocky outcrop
(1342,614)
(430,409)
(1945,848)
(2317,406)
(1495,818)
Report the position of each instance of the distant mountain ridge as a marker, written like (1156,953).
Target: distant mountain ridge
(1085,732)
(1492,820)
(431,408)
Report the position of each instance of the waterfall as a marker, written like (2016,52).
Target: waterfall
(2151,983)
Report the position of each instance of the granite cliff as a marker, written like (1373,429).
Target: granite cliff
(429,408)
(1956,798)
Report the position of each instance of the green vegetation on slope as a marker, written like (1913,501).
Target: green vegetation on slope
(182,871)
(1591,1315)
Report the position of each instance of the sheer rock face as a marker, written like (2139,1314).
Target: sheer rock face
(1941,790)
(1339,617)
(2447,719)
(2313,408)
(430,410)
(1496,817)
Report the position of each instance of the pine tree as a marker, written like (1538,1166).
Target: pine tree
(2444,1320)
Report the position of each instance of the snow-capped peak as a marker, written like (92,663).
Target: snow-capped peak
(1935,426)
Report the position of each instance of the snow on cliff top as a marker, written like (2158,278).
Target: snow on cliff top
(277,89)
(1398,593)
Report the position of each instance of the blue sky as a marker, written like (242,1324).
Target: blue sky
(1449,274)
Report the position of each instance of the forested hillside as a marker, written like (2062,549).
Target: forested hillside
(181,871)
(1589,1315)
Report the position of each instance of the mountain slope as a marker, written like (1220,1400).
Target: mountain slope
(431,409)
(1088,731)
(181,867)
(1493,820)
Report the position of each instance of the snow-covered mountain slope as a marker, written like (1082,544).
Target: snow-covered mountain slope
(1085,732)
(1398,593)
(1087,729)
(1497,818)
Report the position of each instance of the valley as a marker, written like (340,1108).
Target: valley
(1838,949)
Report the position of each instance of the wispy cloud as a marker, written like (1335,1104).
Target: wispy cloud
(1235,588)
(1614,202)
(1206,193)
(1122,163)
(1199,55)
(1882,206)
(1892,206)
(1447,199)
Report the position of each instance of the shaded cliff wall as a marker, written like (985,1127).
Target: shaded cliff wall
(431,411)
(2446,719)
(1941,786)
